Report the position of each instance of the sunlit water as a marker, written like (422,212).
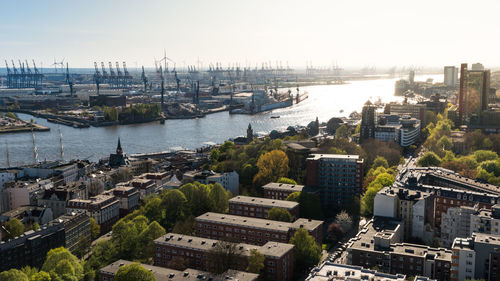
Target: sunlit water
(93,143)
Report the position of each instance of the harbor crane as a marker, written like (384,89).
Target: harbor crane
(97,77)
(162,88)
(144,78)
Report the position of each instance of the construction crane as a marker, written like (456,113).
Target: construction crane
(144,78)
(97,77)
(69,80)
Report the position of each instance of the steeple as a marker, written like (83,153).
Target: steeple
(249,133)
(119,149)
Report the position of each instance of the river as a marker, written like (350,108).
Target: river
(93,143)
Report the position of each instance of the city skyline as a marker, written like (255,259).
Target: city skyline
(347,33)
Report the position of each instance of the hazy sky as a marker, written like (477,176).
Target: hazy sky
(350,32)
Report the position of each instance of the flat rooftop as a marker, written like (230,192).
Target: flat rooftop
(333,157)
(167,274)
(259,223)
(334,271)
(270,249)
(257,201)
(283,187)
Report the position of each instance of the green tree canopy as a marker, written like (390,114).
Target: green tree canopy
(342,131)
(272,166)
(41,276)
(134,272)
(380,162)
(286,180)
(14,228)
(255,261)
(95,228)
(279,214)
(13,274)
(174,204)
(153,209)
(219,198)
(307,253)
(146,238)
(429,159)
(56,256)
(294,196)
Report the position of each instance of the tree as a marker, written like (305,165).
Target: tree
(56,256)
(35,226)
(153,209)
(146,238)
(445,143)
(95,229)
(429,159)
(223,256)
(122,175)
(103,253)
(307,253)
(13,274)
(342,131)
(336,231)
(380,162)
(294,196)
(272,166)
(255,261)
(134,272)
(219,197)
(14,228)
(29,271)
(286,180)
(279,214)
(41,276)
(174,204)
(344,220)
(485,155)
(186,226)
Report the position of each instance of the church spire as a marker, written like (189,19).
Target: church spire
(119,149)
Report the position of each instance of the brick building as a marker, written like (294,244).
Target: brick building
(337,178)
(166,274)
(128,196)
(253,230)
(104,208)
(259,207)
(280,191)
(278,264)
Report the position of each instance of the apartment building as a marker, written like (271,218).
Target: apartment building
(476,257)
(378,244)
(104,208)
(167,274)
(30,248)
(253,230)
(278,264)
(128,197)
(456,222)
(259,207)
(280,191)
(486,221)
(337,178)
(76,227)
(414,208)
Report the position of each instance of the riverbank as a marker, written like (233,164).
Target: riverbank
(22,129)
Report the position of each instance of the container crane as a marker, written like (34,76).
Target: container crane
(144,78)
(97,77)
(162,88)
